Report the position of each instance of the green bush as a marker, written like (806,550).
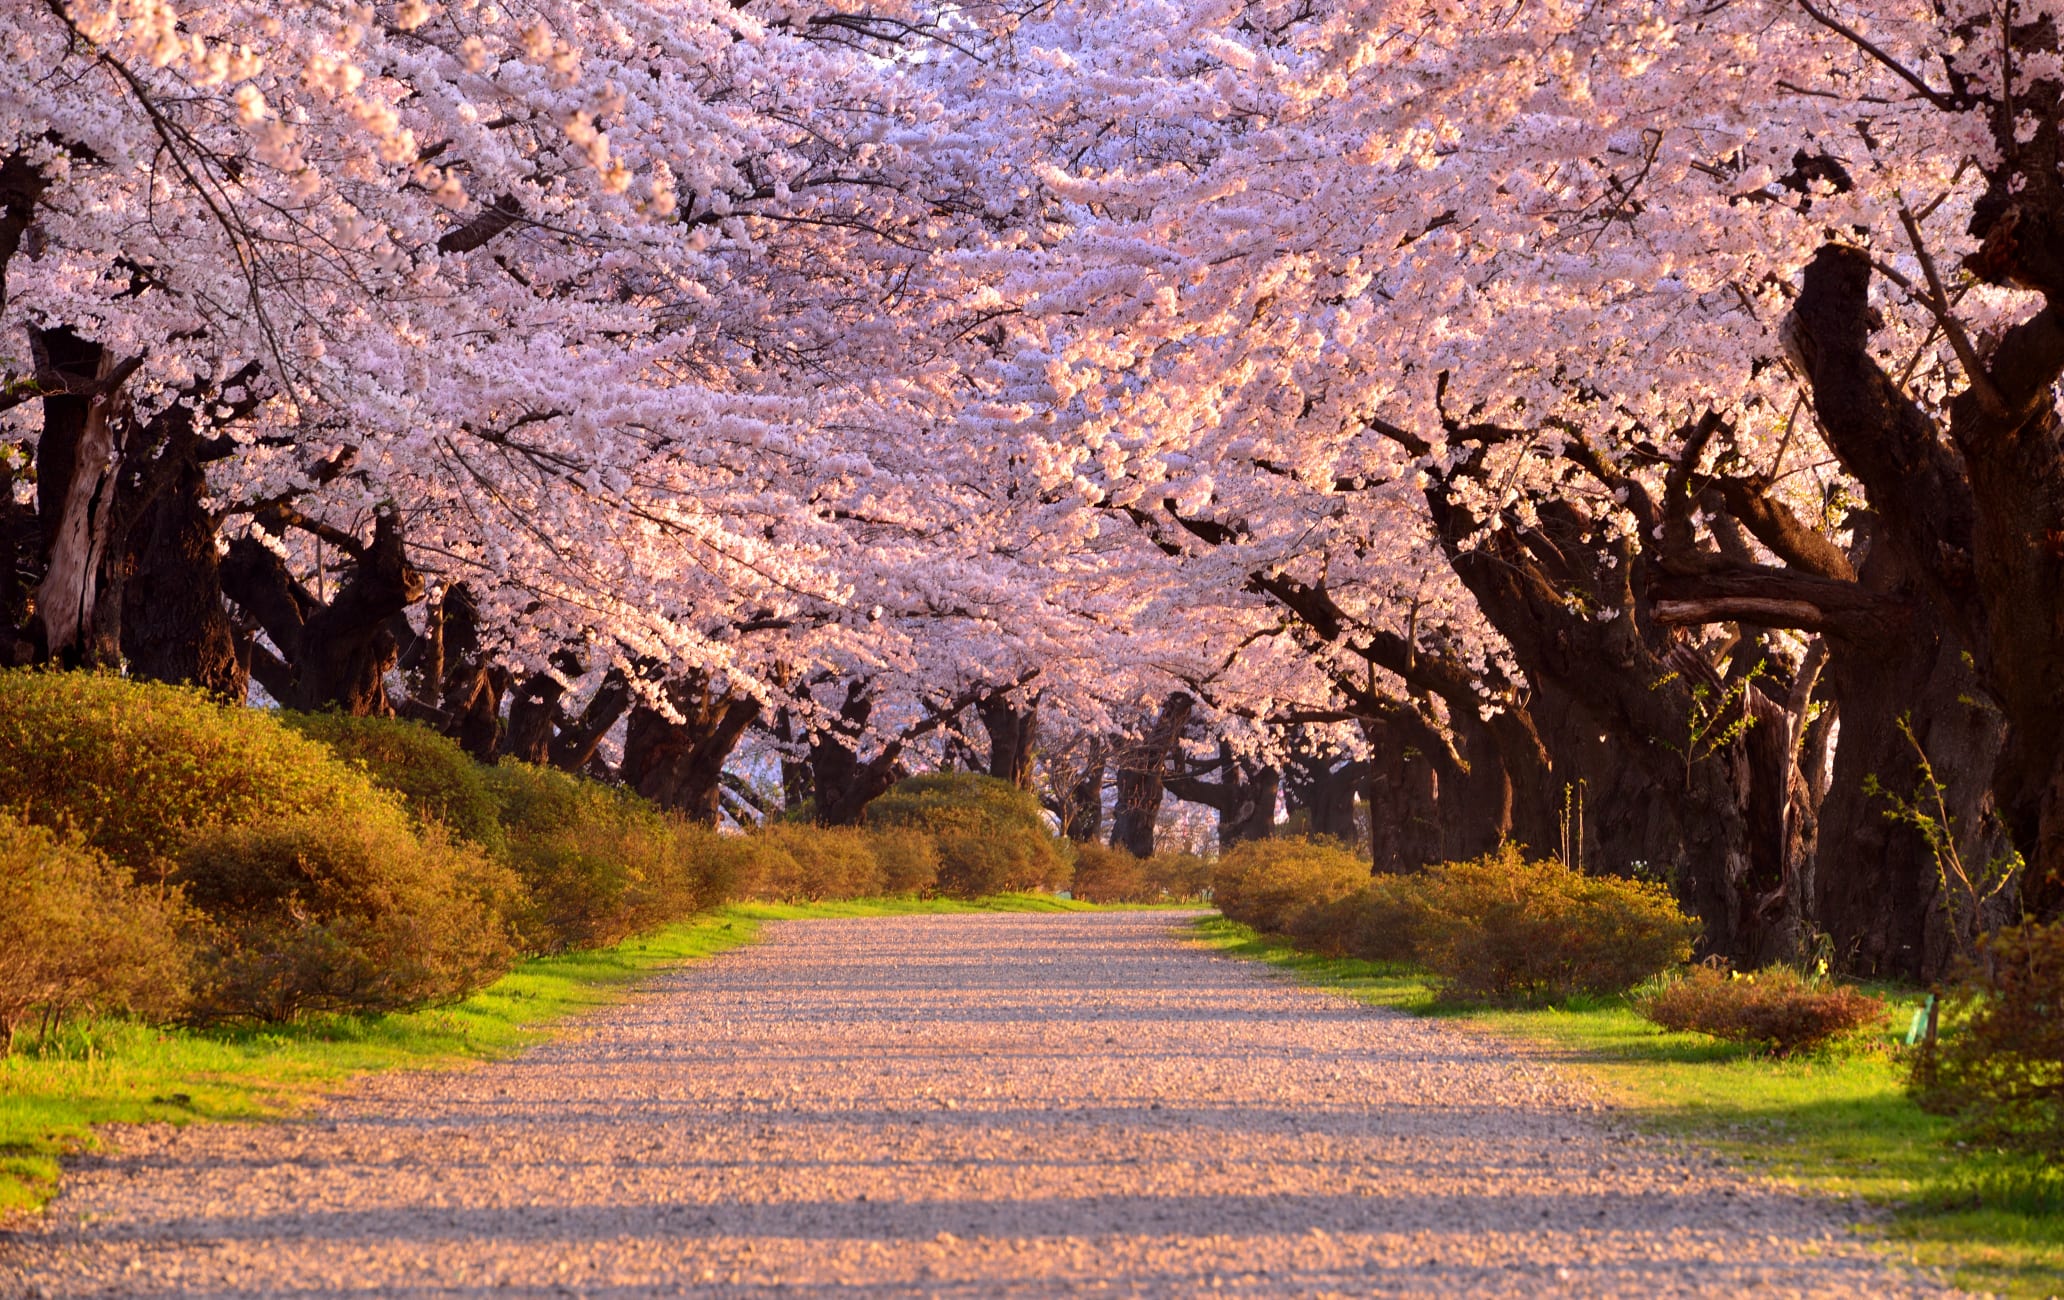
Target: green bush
(1179,876)
(990,835)
(140,768)
(599,864)
(2002,1064)
(309,914)
(1776,1009)
(816,862)
(908,859)
(1269,883)
(1107,875)
(1378,922)
(1502,929)
(436,779)
(77,933)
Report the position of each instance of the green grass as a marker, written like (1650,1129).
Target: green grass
(1837,1122)
(112,1071)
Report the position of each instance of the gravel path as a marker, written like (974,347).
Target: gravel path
(966,1106)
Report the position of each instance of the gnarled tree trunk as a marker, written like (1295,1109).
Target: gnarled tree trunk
(1141,770)
(680,765)
(1013,729)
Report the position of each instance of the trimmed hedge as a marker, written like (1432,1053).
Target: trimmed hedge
(305,863)
(599,863)
(1503,929)
(140,768)
(990,836)
(308,915)
(1269,883)
(439,781)
(1107,875)
(1497,929)
(77,933)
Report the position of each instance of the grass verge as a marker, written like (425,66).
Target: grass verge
(1837,1122)
(119,1072)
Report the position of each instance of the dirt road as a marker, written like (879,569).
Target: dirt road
(978,1106)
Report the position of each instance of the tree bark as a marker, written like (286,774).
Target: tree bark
(174,625)
(680,765)
(1323,784)
(1013,730)
(1244,796)
(335,655)
(1405,788)
(1075,787)
(1141,768)
(1975,517)
(76,486)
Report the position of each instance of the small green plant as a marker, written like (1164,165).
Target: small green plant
(1966,890)
(1776,1010)
(1713,721)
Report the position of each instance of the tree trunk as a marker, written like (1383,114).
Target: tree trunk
(1323,786)
(1244,796)
(346,646)
(1012,729)
(796,786)
(20,546)
(1404,786)
(533,717)
(22,186)
(174,626)
(1077,791)
(1140,777)
(1876,883)
(335,655)
(1975,516)
(844,784)
(680,765)
(76,482)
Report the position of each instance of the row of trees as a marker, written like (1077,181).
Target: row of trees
(1628,429)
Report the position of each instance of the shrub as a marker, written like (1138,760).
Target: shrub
(1179,876)
(1503,929)
(1775,1009)
(990,835)
(1108,875)
(1268,883)
(599,863)
(1378,922)
(76,932)
(308,914)
(817,862)
(139,768)
(436,779)
(908,859)
(2003,1066)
